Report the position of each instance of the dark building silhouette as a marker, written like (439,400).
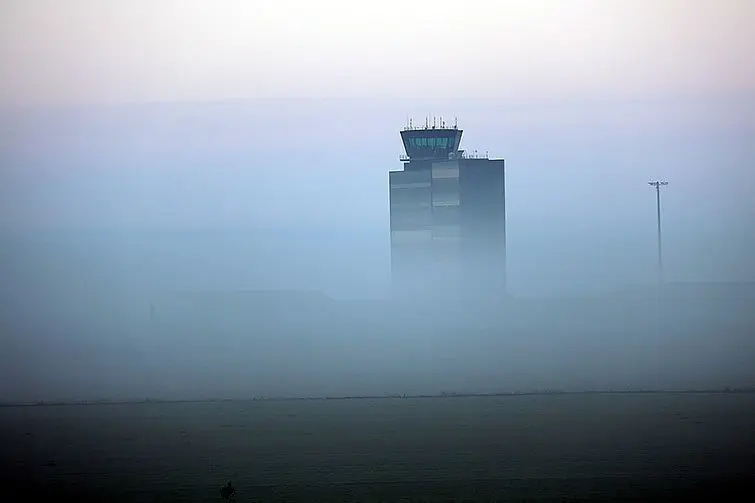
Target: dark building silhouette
(448,218)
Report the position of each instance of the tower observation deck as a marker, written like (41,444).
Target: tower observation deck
(430,143)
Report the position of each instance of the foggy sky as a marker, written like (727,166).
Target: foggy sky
(314,173)
(108,209)
(148,149)
(85,51)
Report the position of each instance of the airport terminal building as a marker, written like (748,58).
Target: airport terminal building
(447,218)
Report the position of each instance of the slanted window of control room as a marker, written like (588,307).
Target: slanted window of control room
(430,142)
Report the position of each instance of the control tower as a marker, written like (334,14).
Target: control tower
(448,218)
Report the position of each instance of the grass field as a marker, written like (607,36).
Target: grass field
(602,447)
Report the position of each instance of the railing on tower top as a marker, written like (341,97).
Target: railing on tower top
(463,155)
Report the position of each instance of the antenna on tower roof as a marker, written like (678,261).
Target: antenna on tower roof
(456,123)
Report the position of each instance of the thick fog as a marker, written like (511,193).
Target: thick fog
(241,249)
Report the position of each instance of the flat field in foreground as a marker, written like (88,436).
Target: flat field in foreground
(596,447)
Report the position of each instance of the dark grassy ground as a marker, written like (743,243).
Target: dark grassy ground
(597,447)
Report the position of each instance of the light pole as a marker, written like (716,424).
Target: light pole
(658,184)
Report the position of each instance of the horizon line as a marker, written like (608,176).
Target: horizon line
(392,396)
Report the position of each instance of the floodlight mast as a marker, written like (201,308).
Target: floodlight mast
(657,184)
